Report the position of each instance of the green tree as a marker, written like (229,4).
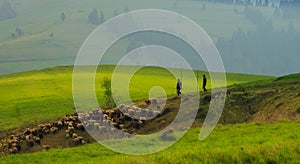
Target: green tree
(109,101)
(51,35)
(19,31)
(62,16)
(203,6)
(102,19)
(126,10)
(6,11)
(277,12)
(94,17)
(116,13)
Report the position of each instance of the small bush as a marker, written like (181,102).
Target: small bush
(109,101)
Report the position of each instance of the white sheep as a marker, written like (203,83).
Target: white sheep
(74,135)
(13,150)
(45,147)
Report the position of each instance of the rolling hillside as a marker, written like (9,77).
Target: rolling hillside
(35,96)
(270,100)
(260,122)
(259,101)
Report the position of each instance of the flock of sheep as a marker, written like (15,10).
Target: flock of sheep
(34,136)
(122,119)
(118,123)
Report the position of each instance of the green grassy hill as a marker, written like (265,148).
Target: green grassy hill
(257,101)
(45,95)
(241,143)
(35,96)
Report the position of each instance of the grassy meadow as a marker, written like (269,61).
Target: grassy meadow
(35,96)
(43,94)
(240,143)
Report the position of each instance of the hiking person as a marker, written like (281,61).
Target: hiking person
(178,87)
(204,83)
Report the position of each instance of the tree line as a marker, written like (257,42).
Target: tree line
(6,11)
(262,51)
(95,19)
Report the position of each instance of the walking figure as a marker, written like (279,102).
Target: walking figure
(204,83)
(179,87)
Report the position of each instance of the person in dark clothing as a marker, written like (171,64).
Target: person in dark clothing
(204,83)
(178,87)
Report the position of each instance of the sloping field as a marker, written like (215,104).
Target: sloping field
(43,95)
(241,143)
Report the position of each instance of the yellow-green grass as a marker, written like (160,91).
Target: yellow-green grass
(240,143)
(42,95)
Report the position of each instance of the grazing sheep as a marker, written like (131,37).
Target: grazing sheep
(169,131)
(156,113)
(89,126)
(14,145)
(80,127)
(141,122)
(102,128)
(121,126)
(105,122)
(166,137)
(40,135)
(70,124)
(149,114)
(47,131)
(125,130)
(147,102)
(116,125)
(12,137)
(48,126)
(59,124)
(18,146)
(76,141)
(27,132)
(34,131)
(45,147)
(54,130)
(70,130)
(13,150)
(37,140)
(128,135)
(127,118)
(30,143)
(28,137)
(41,126)
(67,136)
(121,107)
(143,112)
(40,130)
(74,135)
(96,126)
(151,101)
(158,107)
(105,116)
(143,118)
(131,113)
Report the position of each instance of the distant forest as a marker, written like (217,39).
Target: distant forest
(260,51)
(263,50)
(6,11)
